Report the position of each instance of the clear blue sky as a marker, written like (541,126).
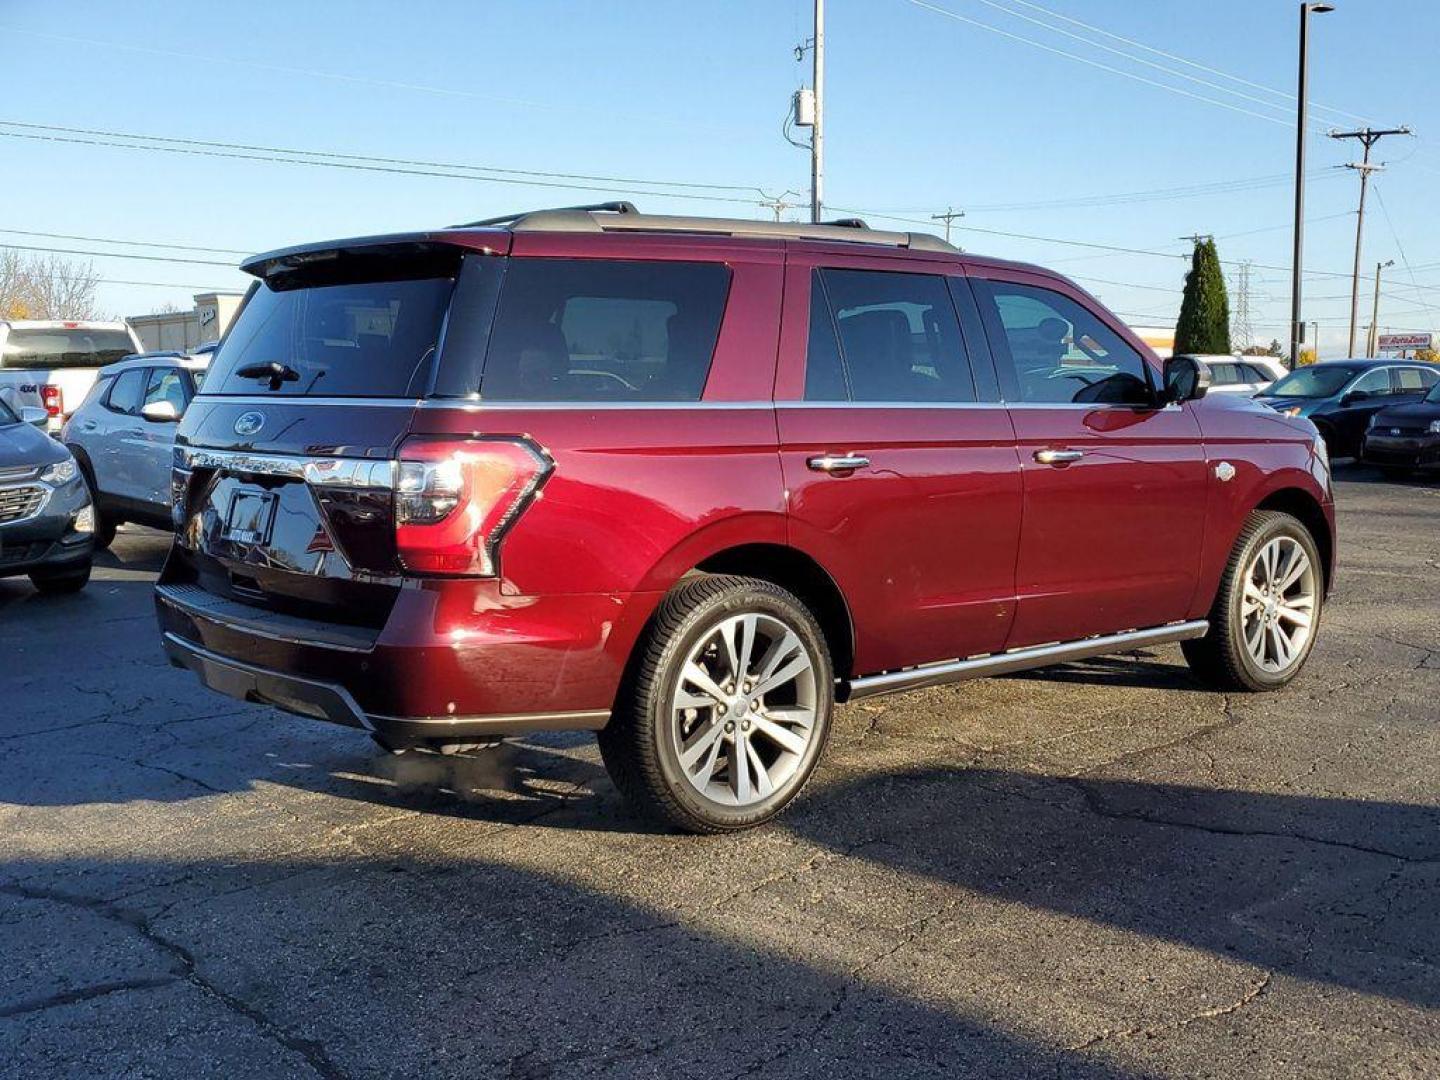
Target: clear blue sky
(924,111)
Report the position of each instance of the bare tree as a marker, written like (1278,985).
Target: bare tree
(46,287)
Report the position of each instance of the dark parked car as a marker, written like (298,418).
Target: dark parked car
(45,514)
(1340,396)
(689,482)
(1402,438)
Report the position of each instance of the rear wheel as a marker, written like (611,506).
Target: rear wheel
(70,581)
(105,525)
(728,709)
(1263,621)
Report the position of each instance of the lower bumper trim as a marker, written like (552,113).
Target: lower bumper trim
(330,701)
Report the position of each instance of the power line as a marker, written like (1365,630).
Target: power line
(116,255)
(128,243)
(1220,187)
(1129,56)
(1180,59)
(1097,64)
(418,163)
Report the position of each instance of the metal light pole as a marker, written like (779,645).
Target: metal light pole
(1372,340)
(817,135)
(1297,327)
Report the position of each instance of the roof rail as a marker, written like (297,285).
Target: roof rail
(623,217)
(618,207)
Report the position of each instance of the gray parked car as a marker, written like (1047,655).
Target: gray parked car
(122,437)
(46,519)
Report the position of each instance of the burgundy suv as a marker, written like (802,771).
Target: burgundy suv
(689,482)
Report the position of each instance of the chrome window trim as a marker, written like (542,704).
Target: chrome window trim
(299,399)
(317,471)
(468,405)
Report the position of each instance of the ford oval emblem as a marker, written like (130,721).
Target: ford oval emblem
(249,423)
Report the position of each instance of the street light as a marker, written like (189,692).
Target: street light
(1372,342)
(1297,328)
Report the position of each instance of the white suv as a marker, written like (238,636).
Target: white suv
(122,435)
(1242,374)
(51,364)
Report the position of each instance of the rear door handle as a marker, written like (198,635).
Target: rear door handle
(1058,457)
(838,463)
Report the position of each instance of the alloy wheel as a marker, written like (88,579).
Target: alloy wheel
(743,712)
(1277,608)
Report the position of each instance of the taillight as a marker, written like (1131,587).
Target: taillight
(454,499)
(53,398)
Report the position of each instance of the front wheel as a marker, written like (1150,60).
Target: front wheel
(71,581)
(728,707)
(1263,621)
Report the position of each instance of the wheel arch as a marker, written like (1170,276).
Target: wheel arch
(798,573)
(1301,504)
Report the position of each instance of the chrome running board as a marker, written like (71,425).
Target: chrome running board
(1034,656)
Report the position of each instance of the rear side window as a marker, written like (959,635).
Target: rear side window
(1053,350)
(1224,374)
(899,339)
(166,384)
(359,339)
(604,330)
(127,392)
(1408,380)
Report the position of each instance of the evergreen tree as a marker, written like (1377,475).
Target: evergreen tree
(1204,326)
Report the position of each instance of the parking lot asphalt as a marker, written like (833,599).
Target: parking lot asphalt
(1099,869)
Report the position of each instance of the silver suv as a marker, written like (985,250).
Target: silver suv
(123,433)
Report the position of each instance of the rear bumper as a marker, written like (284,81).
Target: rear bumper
(332,702)
(452,662)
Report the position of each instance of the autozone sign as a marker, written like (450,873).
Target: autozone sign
(1393,342)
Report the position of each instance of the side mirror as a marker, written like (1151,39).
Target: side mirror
(1354,397)
(29,414)
(1186,379)
(160,412)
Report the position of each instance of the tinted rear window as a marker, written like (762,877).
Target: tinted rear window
(362,339)
(604,330)
(78,348)
(1312,382)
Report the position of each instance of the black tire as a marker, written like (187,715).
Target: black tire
(639,744)
(71,581)
(105,525)
(1221,658)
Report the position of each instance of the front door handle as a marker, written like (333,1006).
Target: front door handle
(838,463)
(1058,457)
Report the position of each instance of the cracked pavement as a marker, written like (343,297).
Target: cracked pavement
(1098,870)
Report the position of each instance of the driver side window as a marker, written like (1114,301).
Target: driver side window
(1052,350)
(1373,382)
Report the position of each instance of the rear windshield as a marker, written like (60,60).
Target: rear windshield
(604,330)
(1312,382)
(359,339)
(35,348)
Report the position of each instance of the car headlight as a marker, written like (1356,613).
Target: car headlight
(1293,410)
(62,472)
(1371,422)
(1435,427)
(84,520)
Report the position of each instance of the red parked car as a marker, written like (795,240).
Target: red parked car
(689,482)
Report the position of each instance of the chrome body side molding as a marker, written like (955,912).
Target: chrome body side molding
(1034,656)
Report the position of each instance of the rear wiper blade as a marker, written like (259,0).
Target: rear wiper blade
(275,371)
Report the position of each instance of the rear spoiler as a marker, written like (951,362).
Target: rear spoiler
(361,258)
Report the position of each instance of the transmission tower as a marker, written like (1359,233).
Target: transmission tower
(1242,333)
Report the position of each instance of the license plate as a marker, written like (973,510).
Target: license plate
(251,515)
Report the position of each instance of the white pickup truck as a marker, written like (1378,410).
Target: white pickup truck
(52,363)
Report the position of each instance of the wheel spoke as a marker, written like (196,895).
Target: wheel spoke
(1294,615)
(747,646)
(695,675)
(702,743)
(795,667)
(740,771)
(781,736)
(793,716)
(778,651)
(701,776)
(1295,570)
(763,786)
(686,700)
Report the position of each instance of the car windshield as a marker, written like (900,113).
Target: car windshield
(35,348)
(1312,382)
(1433,397)
(7,414)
